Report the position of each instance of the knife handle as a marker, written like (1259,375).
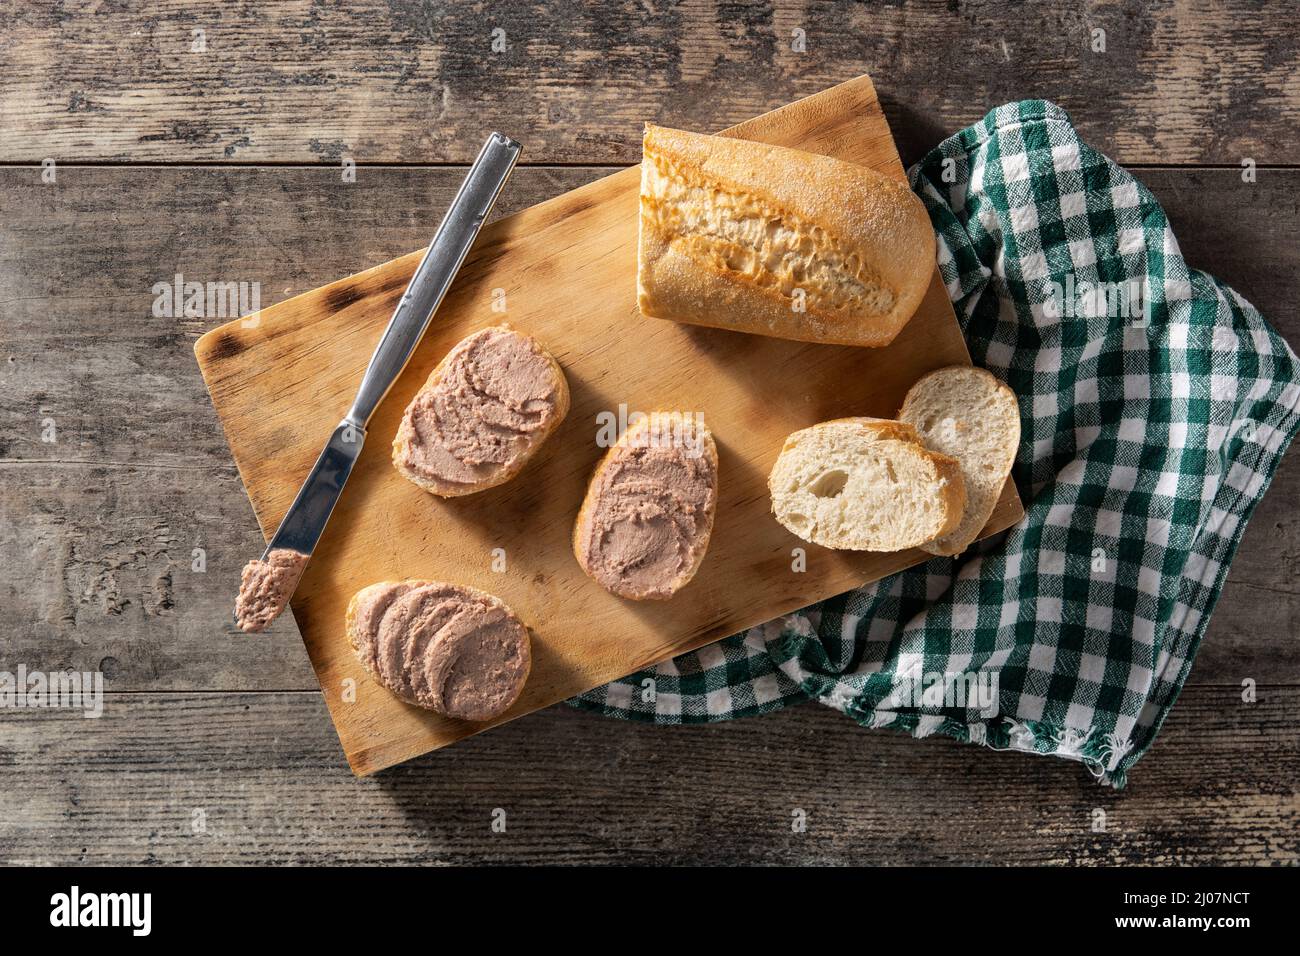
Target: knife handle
(451,243)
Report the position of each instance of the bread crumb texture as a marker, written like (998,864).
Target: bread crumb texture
(967,414)
(864,485)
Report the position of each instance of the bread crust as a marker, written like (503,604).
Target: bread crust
(580,524)
(875,428)
(443,489)
(954,488)
(872,226)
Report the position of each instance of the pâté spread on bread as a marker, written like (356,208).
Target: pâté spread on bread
(644,526)
(484,412)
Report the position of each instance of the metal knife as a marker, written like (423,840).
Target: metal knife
(311,509)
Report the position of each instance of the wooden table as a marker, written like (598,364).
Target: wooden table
(220,154)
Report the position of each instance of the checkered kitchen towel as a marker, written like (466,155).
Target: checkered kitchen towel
(1155,405)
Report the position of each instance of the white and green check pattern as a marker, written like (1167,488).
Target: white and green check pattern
(1146,443)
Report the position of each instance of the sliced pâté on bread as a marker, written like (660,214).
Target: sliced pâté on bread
(777,241)
(865,484)
(967,414)
(446,647)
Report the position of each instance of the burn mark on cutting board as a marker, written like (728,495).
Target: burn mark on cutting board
(339,297)
(225,347)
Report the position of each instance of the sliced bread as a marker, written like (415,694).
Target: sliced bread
(865,484)
(969,415)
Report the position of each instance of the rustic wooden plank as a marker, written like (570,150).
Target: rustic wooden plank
(132,572)
(264,775)
(141,467)
(79,259)
(413,81)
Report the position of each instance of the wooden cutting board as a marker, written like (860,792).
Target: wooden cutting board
(567,271)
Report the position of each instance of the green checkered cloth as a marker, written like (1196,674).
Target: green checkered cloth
(1155,405)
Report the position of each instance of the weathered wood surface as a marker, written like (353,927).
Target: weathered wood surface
(416,82)
(96,531)
(262,774)
(95,561)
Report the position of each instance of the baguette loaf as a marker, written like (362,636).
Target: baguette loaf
(645,523)
(969,415)
(865,484)
(778,242)
(445,647)
(483,413)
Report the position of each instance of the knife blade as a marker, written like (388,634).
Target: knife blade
(302,525)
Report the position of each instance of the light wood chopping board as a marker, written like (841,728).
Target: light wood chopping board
(567,271)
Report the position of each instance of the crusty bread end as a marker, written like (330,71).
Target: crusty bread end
(775,241)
